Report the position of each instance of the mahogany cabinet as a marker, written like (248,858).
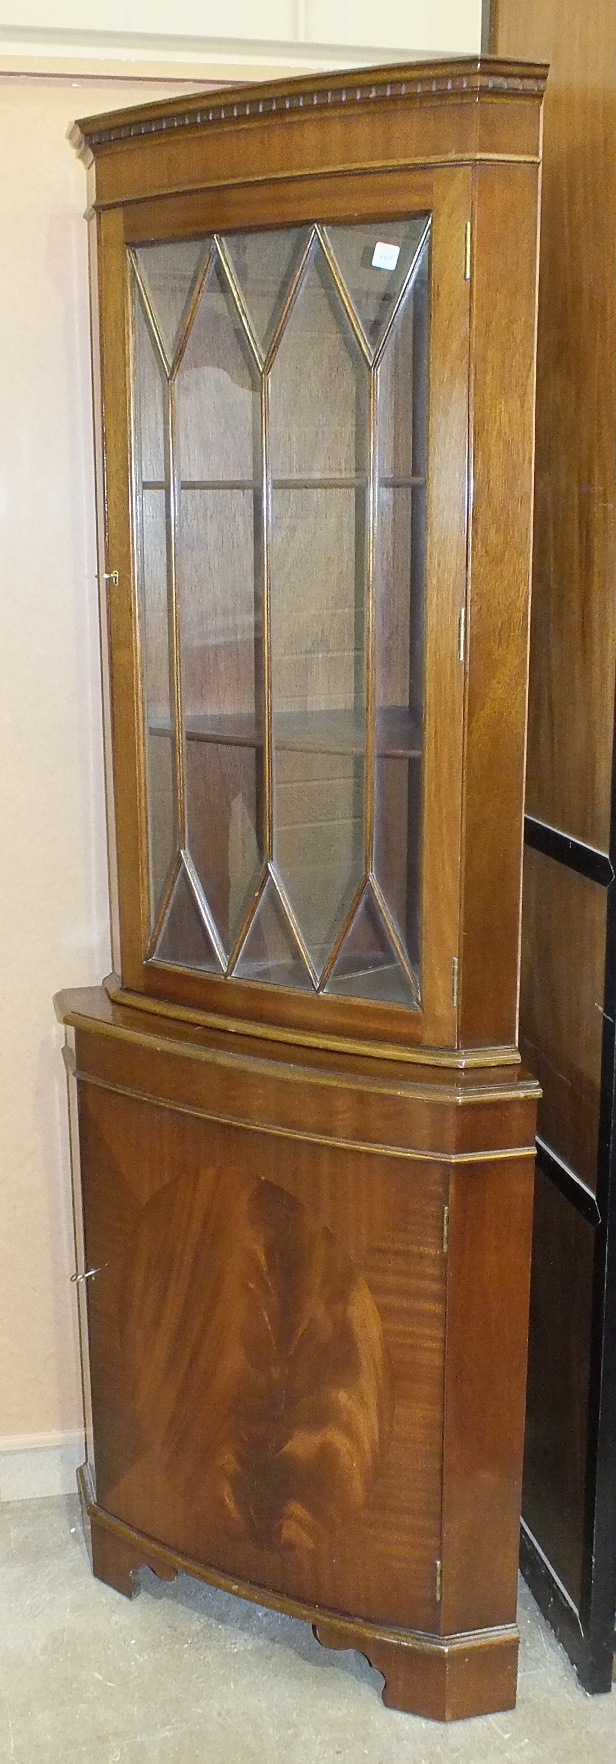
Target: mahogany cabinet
(304,1137)
(568,1009)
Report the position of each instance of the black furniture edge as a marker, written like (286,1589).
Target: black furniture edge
(592,1657)
(591,1647)
(574,1190)
(574,853)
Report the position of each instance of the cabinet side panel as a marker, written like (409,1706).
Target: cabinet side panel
(573,645)
(561,1016)
(504,276)
(487,1312)
(445,580)
(101,536)
(80,1248)
(122,623)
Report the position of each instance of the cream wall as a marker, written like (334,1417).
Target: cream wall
(54,920)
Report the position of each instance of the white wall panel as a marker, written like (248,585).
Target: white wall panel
(201,29)
(452,27)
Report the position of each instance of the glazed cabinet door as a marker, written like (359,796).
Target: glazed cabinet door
(291,435)
(267,1351)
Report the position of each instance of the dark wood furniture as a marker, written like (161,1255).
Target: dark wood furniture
(305,1139)
(568,1005)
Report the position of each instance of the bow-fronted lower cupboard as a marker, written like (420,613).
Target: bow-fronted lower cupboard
(304,1138)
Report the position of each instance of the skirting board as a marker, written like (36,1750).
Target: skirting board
(39,1464)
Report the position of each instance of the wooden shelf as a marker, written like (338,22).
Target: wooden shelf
(354,481)
(398,732)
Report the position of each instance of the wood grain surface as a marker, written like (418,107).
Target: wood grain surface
(573,651)
(490,1224)
(502,402)
(267,1342)
(433,1111)
(561,1006)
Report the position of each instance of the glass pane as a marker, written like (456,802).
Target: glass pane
(264,265)
(152,510)
(368,966)
(319,839)
(318,615)
(271,952)
(218,402)
(150,404)
(162,810)
(318,690)
(170,274)
(219,572)
(184,938)
(374,261)
(396,849)
(220,611)
(395,398)
(319,426)
(399,621)
(306,531)
(224,797)
(318,387)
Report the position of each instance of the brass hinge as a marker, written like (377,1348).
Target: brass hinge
(467,251)
(438,1576)
(454,982)
(462,633)
(445,1230)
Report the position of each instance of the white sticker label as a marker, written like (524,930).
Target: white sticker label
(385,256)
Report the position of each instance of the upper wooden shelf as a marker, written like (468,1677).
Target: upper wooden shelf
(398,735)
(355,481)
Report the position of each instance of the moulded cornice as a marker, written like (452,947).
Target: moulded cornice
(471,79)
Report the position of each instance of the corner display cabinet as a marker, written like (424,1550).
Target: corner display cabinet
(304,1138)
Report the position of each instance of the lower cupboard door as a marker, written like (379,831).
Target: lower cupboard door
(267,1336)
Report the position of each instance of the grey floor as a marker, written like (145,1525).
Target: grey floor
(184,1673)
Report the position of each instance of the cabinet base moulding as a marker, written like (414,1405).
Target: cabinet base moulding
(442,1678)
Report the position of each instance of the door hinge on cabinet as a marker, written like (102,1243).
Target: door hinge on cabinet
(438,1576)
(467,251)
(445,1231)
(454,982)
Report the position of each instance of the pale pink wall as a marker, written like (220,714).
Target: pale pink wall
(54,916)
